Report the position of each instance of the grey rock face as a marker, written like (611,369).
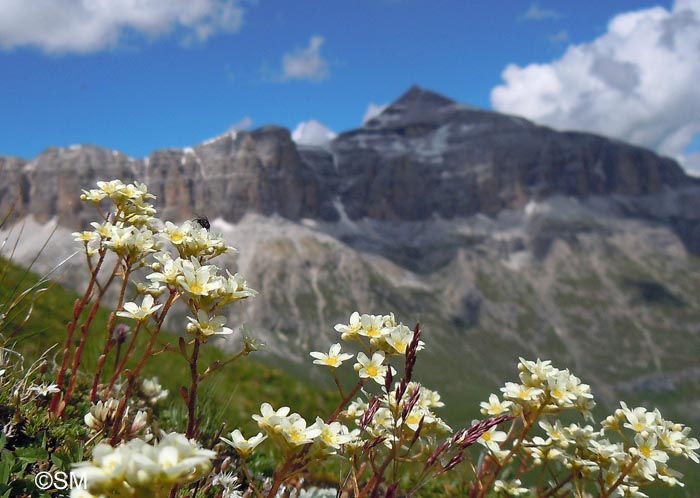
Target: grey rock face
(424,156)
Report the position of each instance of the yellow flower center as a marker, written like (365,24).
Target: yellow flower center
(373,333)
(372,371)
(644,450)
(332,361)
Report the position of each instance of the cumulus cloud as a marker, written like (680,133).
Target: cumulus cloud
(372,111)
(537,13)
(312,133)
(636,82)
(84,26)
(305,63)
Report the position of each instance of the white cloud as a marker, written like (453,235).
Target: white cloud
(373,110)
(243,124)
(305,63)
(85,26)
(312,133)
(537,13)
(637,82)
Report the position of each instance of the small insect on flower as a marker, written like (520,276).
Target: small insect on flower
(203,221)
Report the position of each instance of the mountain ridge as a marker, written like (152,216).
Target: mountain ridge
(504,238)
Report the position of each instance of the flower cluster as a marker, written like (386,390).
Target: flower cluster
(152,390)
(138,469)
(205,289)
(103,414)
(630,450)
(406,404)
(291,431)
(129,230)
(191,239)
(414,410)
(382,332)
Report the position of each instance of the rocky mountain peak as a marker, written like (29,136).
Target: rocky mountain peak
(420,97)
(415,106)
(425,156)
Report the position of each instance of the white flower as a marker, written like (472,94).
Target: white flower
(646,449)
(349,331)
(148,469)
(400,337)
(296,432)
(495,406)
(93,195)
(428,398)
(204,326)
(372,326)
(269,417)
(509,488)
(140,313)
(112,187)
(177,234)
(639,419)
(198,280)
(244,446)
(235,288)
(557,433)
(43,389)
(333,359)
(153,390)
(167,269)
(534,373)
(334,434)
(228,481)
(559,389)
(520,393)
(492,438)
(371,368)
(100,413)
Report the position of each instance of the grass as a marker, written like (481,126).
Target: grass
(233,393)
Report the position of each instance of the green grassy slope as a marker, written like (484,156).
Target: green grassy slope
(232,394)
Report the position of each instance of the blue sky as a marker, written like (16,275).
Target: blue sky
(180,71)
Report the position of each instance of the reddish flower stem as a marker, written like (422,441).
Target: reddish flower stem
(84,328)
(70,330)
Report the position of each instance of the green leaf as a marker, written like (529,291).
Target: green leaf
(31,454)
(5,469)
(61,461)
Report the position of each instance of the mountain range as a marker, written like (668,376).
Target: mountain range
(502,237)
